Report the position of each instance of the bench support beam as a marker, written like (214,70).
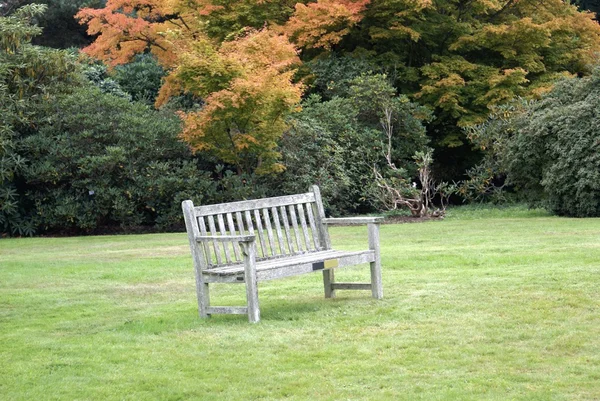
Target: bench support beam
(249,251)
(328,282)
(376,284)
(351,286)
(231,310)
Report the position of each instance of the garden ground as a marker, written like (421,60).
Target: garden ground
(484,305)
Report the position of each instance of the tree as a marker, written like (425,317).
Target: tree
(242,122)
(458,58)
(461,58)
(246,83)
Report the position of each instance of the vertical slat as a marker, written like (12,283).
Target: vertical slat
(213,231)
(249,224)
(261,234)
(304,226)
(236,247)
(240,223)
(278,229)
(267,219)
(223,230)
(320,214)
(286,227)
(207,254)
(295,225)
(313,227)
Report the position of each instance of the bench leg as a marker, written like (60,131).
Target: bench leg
(202,292)
(376,284)
(203,299)
(251,282)
(328,280)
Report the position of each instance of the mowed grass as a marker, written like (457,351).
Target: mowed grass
(485,305)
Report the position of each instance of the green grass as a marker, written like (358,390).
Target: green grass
(485,305)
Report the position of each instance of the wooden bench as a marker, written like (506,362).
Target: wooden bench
(256,240)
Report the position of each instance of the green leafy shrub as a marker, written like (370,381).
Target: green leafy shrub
(100,161)
(550,149)
(326,146)
(337,143)
(97,74)
(141,78)
(332,75)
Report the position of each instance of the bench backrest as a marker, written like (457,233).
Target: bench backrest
(284,226)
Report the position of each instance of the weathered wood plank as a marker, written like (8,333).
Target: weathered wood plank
(213,232)
(313,227)
(225,238)
(277,223)
(297,269)
(198,258)
(242,206)
(261,234)
(320,215)
(240,222)
(224,232)
(206,247)
(232,231)
(230,310)
(292,211)
(377,285)
(328,280)
(351,286)
(304,226)
(351,220)
(249,223)
(250,278)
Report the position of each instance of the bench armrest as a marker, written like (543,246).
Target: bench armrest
(351,220)
(226,238)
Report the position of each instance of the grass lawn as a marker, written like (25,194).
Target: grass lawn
(485,305)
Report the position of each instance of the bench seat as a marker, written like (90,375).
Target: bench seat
(290,266)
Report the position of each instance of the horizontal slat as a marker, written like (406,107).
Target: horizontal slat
(226,238)
(351,220)
(230,310)
(351,286)
(254,204)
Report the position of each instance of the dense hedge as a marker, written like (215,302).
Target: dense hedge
(554,154)
(98,160)
(549,150)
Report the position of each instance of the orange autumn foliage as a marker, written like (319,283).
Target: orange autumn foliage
(241,122)
(324,23)
(246,83)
